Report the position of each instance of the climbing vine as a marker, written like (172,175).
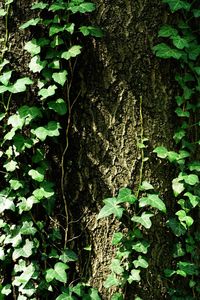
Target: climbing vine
(35,259)
(182,44)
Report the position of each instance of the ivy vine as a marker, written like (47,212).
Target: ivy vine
(35,260)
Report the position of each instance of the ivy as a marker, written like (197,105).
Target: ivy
(33,254)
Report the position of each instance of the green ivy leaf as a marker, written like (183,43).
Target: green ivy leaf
(188,267)
(58,6)
(144,219)
(6,204)
(45,93)
(72,52)
(91,30)
(117,237)
(125,195)
(16,121)
(6,290)
(141,246)
(32,22)
(5,77)
(39,5)
(60,273)
(167,31)
(60,77)
(116,266)
(178,4)
(25,251)
(145,186)
(135,276)
(180,42)
(38,174)
(111,281)
(154,201)
(24,278)
(177,186)
(111,207)
(36,65)
(177,228)
(117,296)
(140,262)
(191,179)
(3,12)
(59,106)
(161,152)
(82,7)
(15,184)
(20,85)
(164,51)
(11,166)
(32,47)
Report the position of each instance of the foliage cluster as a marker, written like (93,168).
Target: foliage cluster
(35,260)
(183,45)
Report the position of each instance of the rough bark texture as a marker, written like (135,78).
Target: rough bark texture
(103,154)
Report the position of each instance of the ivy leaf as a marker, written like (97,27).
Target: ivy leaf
(24,278)
(177,228)
(180,42)
(191,179)
(3,12)
(140,262)
(164,51)
(11,166)
(81,8)
(135,276)
(57,6)
(20,85)
(167,31)
(141,246)
(39,5)
(154,201)
(161,152)
(143,220)
(36,65)
(6,204)
(91,30)
(6,290)
(177,4)
(125,195)
(45,93)
(16,121)
(111,281)
(146,186)
(194,166)
(72,52)
(25,251)
(32,22)
(5,77)
(38,174)
(58,106)
(111,207)
(32,47)
(60,273)
(196,13)
(116,266)
(117,237)
(60,77)
(188,267)
(177,186)
(15,184)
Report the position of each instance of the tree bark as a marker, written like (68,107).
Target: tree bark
(103,155)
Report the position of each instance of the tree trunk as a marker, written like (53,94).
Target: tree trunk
(118,71)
